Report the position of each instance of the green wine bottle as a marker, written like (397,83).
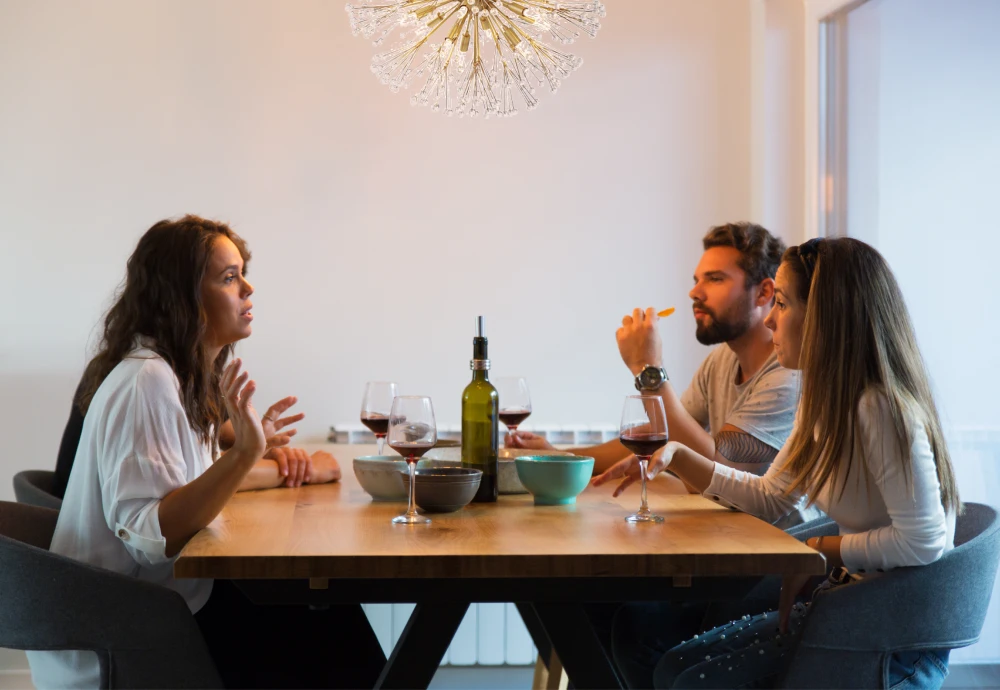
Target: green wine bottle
(480,413)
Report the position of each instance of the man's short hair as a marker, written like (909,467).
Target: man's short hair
(760,251)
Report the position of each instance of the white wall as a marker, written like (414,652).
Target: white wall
(379,230)
(782,100)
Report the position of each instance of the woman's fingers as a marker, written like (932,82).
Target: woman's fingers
(279,440)
(303,466)
(656,465)
(246,397)
(229,373)
(233,394)
(626,483)
(278,408)
(619,469)
(285,421)
(282,459)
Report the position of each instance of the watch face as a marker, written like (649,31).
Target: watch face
(650,377)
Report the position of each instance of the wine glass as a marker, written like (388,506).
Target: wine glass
(412,432)
(375,408)
(515,401)
(643,431)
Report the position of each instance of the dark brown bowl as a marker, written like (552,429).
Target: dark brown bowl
(444,489)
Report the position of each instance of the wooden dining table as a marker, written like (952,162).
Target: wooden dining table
(330,544)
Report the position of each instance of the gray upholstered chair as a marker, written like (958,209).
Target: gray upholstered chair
(818,527)
(34,487)
(852,630)
(143,634)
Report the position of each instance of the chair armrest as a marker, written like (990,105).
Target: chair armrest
(889,611)
(819,527)
(144,634)
(34,487)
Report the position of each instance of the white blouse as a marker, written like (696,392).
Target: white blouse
(886,519)
(136,447)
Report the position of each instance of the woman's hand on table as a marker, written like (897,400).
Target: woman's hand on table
(325,468)
(294,464)
(526,439)
(628,469)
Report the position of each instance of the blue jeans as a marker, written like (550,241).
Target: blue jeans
(751,653)
(918,670)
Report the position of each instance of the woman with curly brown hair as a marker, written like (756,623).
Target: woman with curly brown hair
(147,476)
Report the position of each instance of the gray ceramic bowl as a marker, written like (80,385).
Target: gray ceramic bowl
(443,489)
(379,476)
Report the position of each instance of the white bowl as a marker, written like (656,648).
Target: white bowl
(381,476)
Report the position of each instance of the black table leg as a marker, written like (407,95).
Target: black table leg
(581,652)
(537,631)
(418,653)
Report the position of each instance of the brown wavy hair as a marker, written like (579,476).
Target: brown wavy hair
(857,337)
(161,300)
(760,251)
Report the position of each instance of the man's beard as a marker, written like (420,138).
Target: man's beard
(731,326)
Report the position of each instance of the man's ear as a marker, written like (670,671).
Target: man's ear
(765,293)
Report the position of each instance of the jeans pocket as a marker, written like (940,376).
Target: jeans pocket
(916,671)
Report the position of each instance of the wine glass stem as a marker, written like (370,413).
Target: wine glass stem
(643,462)
(381,443)
(411,464)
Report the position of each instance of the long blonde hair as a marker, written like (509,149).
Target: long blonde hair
(857,337)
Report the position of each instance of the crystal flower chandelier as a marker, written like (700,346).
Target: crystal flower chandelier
(473,56)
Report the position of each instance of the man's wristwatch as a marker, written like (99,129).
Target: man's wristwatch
(651,378)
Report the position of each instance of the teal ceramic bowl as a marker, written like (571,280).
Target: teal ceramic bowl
(554,480)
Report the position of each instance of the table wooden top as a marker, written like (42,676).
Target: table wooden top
(337,531)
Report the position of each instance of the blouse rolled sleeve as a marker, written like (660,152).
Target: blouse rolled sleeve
(145,463)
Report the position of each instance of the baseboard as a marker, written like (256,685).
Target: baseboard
(15,680)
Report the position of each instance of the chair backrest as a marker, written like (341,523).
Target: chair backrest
(143,634)
(36,488)
(851,630)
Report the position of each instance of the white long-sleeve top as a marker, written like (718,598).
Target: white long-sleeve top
(136,447)
(886,520)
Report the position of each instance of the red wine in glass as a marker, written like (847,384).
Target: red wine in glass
(513,418)
(411,451)
(643,431)
(375,408)
(378,424)
(412,432)
(643,445)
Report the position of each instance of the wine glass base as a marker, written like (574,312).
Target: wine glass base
(414,519)
(644,517)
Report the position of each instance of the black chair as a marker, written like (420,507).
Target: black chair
(143,634)
(852,630)
(35,487)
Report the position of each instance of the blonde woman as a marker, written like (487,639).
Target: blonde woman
(867,449)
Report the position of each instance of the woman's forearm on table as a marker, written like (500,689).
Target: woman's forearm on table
(185,511)
(694,469)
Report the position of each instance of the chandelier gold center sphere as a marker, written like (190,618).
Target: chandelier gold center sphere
(475,57)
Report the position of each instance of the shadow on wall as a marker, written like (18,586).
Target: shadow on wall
(33,410)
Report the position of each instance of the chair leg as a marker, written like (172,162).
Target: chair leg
(557,680)
(540,681)
(551,678)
